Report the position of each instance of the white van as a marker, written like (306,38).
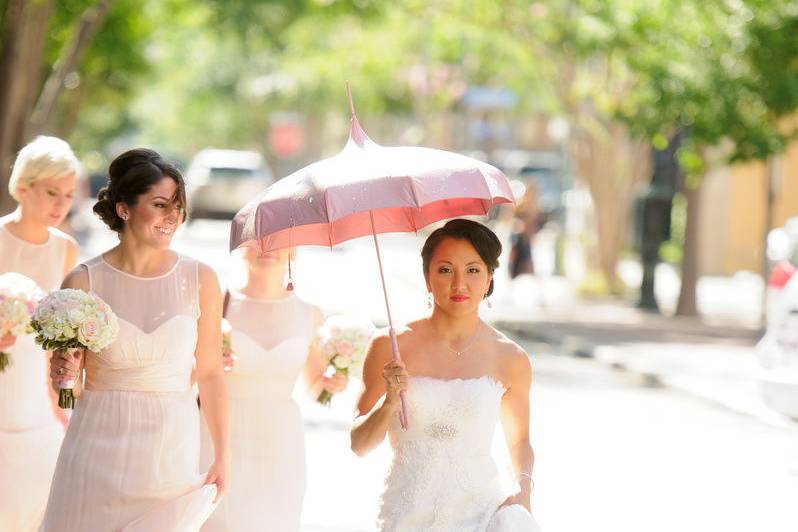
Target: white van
(220,182)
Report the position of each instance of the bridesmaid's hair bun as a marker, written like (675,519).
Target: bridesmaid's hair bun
(484,241)
(105,208)
(129,176)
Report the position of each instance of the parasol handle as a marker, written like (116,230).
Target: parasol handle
(402,399)
(391,331)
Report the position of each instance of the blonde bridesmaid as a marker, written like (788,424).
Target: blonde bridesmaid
(31,424)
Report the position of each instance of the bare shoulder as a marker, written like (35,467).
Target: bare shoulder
(77,278)
(72,248)
(310,308)
(381,340)
(512,359)
(405,333)
(207,274)
(316,313)
(69,240)
(208,281)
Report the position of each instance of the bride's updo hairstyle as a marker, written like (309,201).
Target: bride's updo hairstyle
(484,241)
(130,175)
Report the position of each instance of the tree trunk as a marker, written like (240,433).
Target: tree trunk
(69,112)
(687,305)
(21,65)
(614,165)
(67,63)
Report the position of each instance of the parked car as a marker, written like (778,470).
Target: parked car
(220,182)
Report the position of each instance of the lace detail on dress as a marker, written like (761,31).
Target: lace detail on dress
(443,477)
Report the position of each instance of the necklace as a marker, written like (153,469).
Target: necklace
(467,347)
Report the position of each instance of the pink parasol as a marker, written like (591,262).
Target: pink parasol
(368,189)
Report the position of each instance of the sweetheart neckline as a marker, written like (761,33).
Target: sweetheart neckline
(272,348)
(489,378)
(155,330)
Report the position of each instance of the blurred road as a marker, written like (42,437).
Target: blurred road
(611,455)
(613,452)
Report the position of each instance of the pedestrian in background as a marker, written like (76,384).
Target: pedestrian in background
(526,223)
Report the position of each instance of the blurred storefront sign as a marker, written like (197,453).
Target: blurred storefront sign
(287,135)
(488,98)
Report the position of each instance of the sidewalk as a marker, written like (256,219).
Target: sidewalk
(711,358)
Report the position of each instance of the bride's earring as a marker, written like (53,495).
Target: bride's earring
(429,300)
(487,300)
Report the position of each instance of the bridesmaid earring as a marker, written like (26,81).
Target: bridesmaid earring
(290,286)
(429,300)
(487,300)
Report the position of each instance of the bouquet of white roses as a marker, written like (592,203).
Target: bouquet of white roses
(73,319)
(18,298)
(342,341)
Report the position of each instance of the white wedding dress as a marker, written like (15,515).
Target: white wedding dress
(443,477)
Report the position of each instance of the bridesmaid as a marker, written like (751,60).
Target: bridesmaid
(130,458)
(31,424)
(272,336)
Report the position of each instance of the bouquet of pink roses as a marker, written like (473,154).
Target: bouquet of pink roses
(18,298)
(342,341)
(73,319)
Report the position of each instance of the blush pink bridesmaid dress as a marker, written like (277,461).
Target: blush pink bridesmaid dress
(271,338)
(129,461)
(30,435)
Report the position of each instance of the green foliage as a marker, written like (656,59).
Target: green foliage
(182,74)
(727,73)
(94,106)
(114,68)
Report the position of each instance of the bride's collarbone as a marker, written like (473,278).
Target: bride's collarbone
(438,364)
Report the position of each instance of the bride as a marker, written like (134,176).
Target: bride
(461,377)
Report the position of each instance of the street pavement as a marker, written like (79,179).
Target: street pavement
(640,423)
(612,454)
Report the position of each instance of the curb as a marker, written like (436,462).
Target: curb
(570,344)
(578,347)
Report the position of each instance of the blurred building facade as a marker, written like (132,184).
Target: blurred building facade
(734,212)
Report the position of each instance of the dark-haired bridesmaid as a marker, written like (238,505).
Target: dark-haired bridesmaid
(130,459)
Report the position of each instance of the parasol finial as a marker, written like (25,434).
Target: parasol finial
(356,133)
(351,104)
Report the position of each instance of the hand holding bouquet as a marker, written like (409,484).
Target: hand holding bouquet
(73,319)
(18,298)
(342,341)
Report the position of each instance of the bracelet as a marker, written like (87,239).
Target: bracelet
(531,480)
